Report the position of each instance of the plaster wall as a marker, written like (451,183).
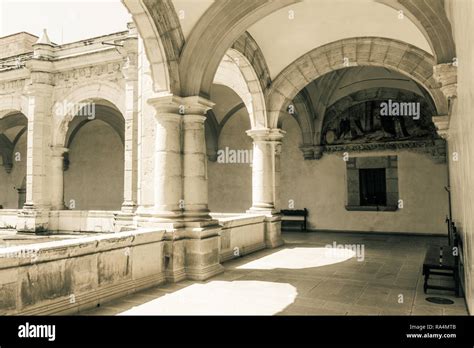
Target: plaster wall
(460,140)
(94,179)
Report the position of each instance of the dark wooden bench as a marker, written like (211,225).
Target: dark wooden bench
(294,217)
(444,261)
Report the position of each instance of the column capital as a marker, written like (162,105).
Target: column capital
(172,104)
(311,152)
(266,134)
(446,74)
(442,125)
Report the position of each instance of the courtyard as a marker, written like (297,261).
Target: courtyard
(149,162)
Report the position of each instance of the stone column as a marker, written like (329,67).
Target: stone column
(56,184)
(265,168)
(195,159)
(201,231)
(167,210)
(180,189)
(35,214)
(266,180)
(130,72)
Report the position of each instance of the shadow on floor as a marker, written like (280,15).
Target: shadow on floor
(301,278)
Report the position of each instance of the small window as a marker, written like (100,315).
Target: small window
(373,188)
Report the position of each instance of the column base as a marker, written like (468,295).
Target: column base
(124,221)
(129,207)
(191,247)
(166,220)
(202,258)
(174,264)
(33,220)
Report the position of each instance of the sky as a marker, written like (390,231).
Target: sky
(65,20)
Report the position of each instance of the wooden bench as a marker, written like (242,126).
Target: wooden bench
(294,217)
(443,261)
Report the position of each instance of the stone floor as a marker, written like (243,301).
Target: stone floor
(305,278)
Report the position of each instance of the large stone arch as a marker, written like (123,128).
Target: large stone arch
(237,73)
(220,26)
(248,47)
(431,19)
(104,113)
(163,39)
(190,66)
(365,51)
(99,92)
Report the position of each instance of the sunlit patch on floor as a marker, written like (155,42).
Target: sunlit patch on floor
(221,298)
(298,258)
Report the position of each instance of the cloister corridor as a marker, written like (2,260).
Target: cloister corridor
(278,282)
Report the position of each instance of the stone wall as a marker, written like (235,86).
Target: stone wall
(460,137)
(240,235)
(16,44)
(94,179)
(230,184)
(321,187)
(64,277)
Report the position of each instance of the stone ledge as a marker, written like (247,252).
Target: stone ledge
(65,249)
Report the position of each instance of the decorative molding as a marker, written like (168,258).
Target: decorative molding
(12,85)
(90,72)
(447,75)
(442,125)
(434,147)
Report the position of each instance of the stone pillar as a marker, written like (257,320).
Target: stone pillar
(167,210)
(130,73)
(35,214)
(266,180)
(180,189)
(56,185)
(125,219)
(195,159)
(202,232)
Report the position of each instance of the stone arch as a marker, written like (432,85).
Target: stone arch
(237,73)
(104,113)
(64,109)
(364,51)
(220,26)
(10,104)
(431,19)
(163,39)
(248,47)
(94,160)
